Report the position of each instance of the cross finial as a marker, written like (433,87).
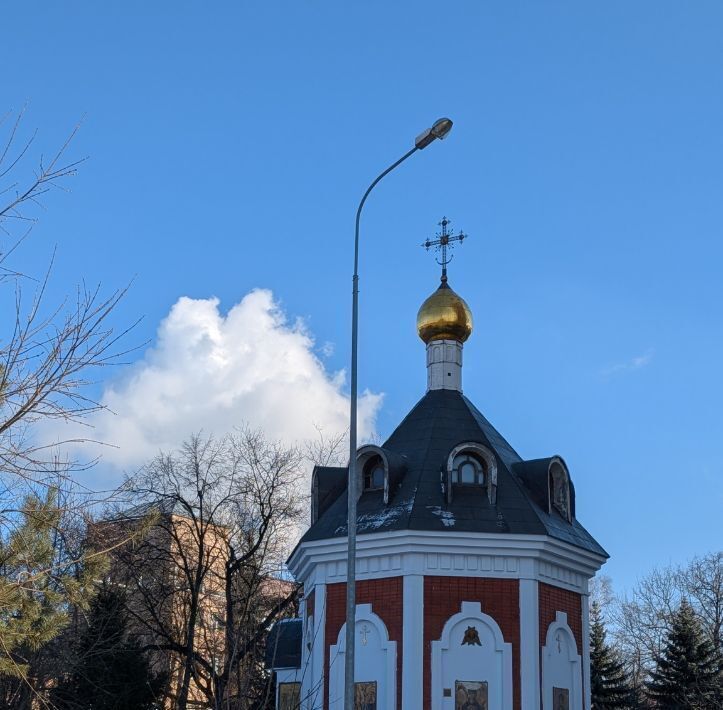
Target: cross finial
(444,241)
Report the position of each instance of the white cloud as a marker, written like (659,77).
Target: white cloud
(208,371)
(635,363)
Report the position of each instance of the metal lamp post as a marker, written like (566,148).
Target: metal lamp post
(439,129)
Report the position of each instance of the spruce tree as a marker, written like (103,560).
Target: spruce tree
(609,682)
(688,673)
(110,671)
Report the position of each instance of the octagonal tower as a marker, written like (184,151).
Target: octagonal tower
(472,567)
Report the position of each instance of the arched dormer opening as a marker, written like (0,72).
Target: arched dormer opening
(373,474)
(471,465)
(378,470)
(558,480)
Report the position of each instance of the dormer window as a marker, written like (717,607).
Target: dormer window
(470,465)
(374,474)
(378,469)
(560,490)
(468,470)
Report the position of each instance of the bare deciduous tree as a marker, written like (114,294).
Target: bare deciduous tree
(701,581)
(327,449)
(46,352)
(642,620)
(47,355)
(207,580)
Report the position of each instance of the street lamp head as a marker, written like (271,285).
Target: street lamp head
(439,129)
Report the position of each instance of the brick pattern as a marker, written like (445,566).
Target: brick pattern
(385,596)
(554,599)
(500,599)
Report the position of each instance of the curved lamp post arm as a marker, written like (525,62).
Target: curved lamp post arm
(376,181)
(439,129)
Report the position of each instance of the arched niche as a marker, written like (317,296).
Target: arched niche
(471,649)
(561,665)
(375,660)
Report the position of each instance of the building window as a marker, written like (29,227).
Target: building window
(374,474)
(468,470)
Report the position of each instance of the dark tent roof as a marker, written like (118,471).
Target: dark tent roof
(441,420)
(283,644)
(330,482)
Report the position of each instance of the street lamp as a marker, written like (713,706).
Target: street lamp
(439,129)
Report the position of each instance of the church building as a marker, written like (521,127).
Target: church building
(472,567)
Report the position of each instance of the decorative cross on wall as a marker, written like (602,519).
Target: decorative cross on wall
(442,243)
(363,633)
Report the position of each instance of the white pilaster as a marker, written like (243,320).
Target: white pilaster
(530,644)
(413,640)
(444,365)
(315,694)
(306,637)
(587,691)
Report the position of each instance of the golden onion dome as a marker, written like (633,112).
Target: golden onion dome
(444,316)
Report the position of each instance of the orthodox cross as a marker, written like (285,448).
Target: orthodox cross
(363,633)
(442,243)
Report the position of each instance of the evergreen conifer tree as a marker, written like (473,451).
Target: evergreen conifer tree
(688,672)
(37,585)
(609,682)
(110,672)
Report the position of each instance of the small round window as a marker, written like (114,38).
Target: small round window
(468,470)
(374,474)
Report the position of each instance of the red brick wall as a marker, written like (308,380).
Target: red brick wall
(553,599)
(500,599)
(385,596)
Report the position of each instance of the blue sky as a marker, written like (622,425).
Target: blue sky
(229,144)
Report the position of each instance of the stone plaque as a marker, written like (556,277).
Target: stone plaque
(289,696)
(560,699)
(365,696)
(470,695)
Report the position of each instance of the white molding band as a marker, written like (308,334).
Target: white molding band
(449,553)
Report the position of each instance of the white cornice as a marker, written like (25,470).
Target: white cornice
(539,557)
